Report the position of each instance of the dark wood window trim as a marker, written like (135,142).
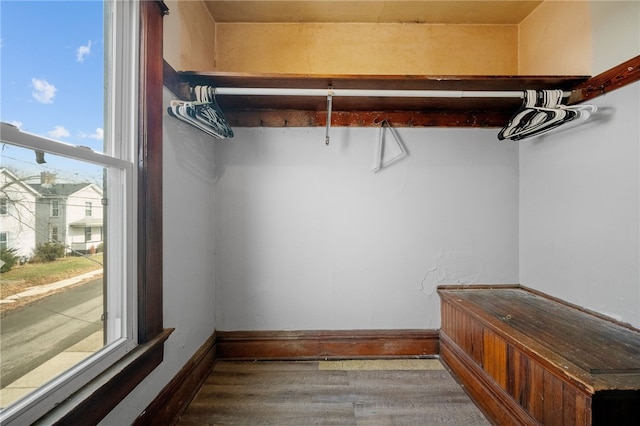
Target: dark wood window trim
(150,172)
(91,403)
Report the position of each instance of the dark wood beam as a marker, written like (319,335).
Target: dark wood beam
(303,118)
(624,74)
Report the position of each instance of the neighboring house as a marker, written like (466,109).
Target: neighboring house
(17,219)
(69,213)
(85,219)
(32,214)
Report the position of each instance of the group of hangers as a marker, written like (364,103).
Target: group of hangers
(541,112)
(203,113)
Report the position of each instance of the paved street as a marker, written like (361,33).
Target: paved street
(31,335)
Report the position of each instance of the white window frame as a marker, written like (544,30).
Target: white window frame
(4,206)
(122,52)
(88,209)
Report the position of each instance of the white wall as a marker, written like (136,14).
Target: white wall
(187,264)
(615,29)
(307,237)
(580,209)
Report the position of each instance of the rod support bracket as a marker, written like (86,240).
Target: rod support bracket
(329,107)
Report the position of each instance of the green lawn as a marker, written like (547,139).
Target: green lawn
(44,273)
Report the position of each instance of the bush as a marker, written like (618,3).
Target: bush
(9,257)
(48,252)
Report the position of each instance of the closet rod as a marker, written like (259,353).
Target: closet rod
(264,91)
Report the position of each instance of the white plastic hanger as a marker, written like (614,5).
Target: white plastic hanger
(387,154)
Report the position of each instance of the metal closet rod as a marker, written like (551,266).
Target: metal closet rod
(264,91)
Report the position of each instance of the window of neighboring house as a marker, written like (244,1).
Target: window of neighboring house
(3,241)
(87,234)
(87,208)
(55,208)
(54,235)
(3,206)
(112,167)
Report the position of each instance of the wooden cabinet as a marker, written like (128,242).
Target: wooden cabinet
(530,359)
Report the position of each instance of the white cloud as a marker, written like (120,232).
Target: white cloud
(83,51)
(43,91)
(58,132)
(18,124)
(98,134)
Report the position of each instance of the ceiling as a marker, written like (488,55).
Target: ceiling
(501,12)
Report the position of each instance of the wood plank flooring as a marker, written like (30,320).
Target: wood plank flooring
(394,392)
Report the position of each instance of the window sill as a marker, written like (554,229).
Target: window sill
(95,400)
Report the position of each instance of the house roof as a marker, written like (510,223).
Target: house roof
(58,189)
(13,179)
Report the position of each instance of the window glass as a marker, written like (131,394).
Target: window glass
(55,208)
(53,305)
(54,234)
(67,282)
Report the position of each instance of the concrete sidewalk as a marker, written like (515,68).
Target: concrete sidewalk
(50,369)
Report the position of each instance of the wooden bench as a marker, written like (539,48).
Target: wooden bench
(528,359)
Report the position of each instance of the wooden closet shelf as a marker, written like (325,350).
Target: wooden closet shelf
(292,111)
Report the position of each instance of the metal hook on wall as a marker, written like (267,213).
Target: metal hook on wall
(329,106)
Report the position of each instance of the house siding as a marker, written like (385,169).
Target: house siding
(71,200)
(19,223)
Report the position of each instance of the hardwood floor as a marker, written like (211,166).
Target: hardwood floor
(394,392)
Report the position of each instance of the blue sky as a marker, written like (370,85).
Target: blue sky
(52,70)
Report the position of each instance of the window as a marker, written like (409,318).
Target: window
(87,208)
(87,234)
(3,241)
(54,235)
(120,184)
(126,24)
(3,206)
(55,208)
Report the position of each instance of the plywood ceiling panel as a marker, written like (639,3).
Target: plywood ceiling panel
(384,11)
